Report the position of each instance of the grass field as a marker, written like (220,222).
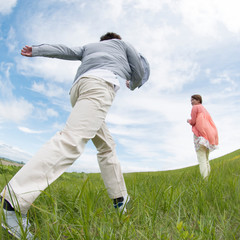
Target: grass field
(165,205)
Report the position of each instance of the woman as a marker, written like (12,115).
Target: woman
(205,134)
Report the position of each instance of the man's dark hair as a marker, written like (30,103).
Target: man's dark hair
(110,35)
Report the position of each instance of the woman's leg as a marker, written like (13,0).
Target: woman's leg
(202,155)
(208,164)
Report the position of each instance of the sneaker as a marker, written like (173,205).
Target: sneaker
(16,224)
(121,204)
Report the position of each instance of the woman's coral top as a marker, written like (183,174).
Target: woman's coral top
(203,125)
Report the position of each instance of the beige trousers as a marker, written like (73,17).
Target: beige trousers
(202,155)
(91,99)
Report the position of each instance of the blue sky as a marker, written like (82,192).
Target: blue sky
(192,47)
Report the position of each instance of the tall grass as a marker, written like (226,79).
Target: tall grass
(165,205)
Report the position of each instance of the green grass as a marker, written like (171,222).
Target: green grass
(165,205)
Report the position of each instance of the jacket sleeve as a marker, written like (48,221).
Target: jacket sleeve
(146,69)
(137,70)
(193,115)
(57,51)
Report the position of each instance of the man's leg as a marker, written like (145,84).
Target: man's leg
(109,164)
(86,118)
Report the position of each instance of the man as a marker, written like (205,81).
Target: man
(103,65)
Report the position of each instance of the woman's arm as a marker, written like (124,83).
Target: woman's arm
(193,119)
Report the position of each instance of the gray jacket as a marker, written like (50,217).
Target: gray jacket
(114,55)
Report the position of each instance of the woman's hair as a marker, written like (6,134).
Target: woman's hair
(110,35)
(197,97)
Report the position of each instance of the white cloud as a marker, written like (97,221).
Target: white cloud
(227,81)
(49,90)
(27,130)
(116,118)
(173,74)
(15,110)
(52,70)
(62,24)
(154,6)
(70,2)
(228,14)
(11,108)
(52,113)
(204,17)
(58,126)
(11,41)
(5,83)
(43,113)
(223,77)
(117,8)
(7,6)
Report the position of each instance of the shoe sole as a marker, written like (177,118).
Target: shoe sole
(9,231)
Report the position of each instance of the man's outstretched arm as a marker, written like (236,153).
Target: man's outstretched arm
(53,51)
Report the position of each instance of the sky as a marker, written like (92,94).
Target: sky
(193,47)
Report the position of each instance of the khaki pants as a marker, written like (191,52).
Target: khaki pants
(202,155)
(91,99)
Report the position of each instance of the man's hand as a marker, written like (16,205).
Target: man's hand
(128,83)
(26,51)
